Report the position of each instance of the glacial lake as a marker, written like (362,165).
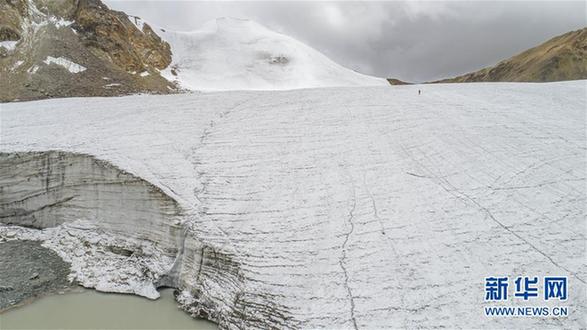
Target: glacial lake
(89,309)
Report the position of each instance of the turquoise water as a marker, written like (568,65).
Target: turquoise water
(90,309)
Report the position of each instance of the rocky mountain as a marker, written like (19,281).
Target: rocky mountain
(58,48)
(560,58)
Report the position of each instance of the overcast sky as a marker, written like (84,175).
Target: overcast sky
(409,40)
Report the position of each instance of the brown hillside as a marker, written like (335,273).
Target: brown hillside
(110,54)
(560,58)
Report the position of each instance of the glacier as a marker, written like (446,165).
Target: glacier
(353,207)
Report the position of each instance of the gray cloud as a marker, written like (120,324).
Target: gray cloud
(413,41)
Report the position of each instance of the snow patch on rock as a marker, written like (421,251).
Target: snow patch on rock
(9,45)
(16,65)
(60,22)
(137,21)
(67,64)
(107,86)
(33,69)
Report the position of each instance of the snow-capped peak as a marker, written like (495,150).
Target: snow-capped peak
(240,54)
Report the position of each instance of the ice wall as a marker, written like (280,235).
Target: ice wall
(47,189)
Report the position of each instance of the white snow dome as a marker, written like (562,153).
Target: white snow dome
(239,54)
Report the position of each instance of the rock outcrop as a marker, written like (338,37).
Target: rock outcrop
(112,35)
(63,48)
(560,58)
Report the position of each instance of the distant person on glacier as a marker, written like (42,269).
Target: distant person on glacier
(419,92)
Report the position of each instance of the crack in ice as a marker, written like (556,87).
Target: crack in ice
(451,189)
(375,213)
(342,260)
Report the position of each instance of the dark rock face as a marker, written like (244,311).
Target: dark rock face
(560,58)
(111,33)
(11,15)
(28,270)
(117,58)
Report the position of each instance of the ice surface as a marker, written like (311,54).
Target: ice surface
(352,207)
(238,54)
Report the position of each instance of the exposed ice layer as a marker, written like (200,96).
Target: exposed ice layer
(69,65)
(374,207)
(238,54)
(52,188)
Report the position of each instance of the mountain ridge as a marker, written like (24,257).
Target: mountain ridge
(560,58)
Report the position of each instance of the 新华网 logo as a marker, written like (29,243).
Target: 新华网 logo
(551,288)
